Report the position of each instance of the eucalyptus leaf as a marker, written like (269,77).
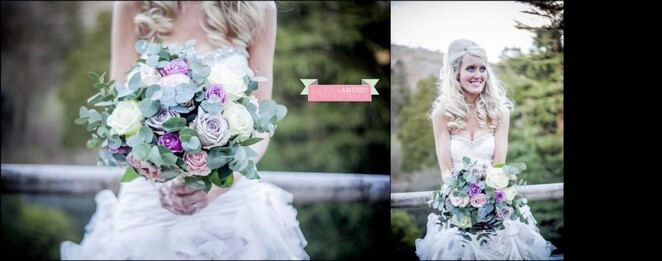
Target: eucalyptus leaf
(188,131)
(146,134)
(170,173)
(82,112)
(151,90)
(134,140)
(192,145)
(194,183)
(174,124)
(94,76)
(134,82)
(251,141)
(81,121)
(155,156)
(184,93)
(211,107)
(250,172)
(168,96)
(148,107)
(129,174)
(141,46)
(281,112)
(92,143)
(217,158)
(93,116)
(141,151)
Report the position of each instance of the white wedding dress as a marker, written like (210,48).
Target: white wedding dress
(517,241)
(252,220)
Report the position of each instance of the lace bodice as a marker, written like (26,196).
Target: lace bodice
(481,148)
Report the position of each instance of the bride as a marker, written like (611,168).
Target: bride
(471,118)
(249,220)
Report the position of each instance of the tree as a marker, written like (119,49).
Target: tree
(336,43)
(415,130)
(400,91)
(549,38)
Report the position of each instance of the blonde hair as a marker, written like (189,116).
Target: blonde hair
(232,23)
(492,102)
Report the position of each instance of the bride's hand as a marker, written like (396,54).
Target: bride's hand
(179,199)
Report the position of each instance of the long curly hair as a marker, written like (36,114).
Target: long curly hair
(492,102)
(232,23)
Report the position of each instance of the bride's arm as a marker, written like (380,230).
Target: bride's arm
(442,142)
(123,38)
(261,62)
(501,139)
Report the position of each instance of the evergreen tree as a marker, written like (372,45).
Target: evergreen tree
(335,43)
(400,92)
(415,130)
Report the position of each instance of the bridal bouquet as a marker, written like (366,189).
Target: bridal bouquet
(479,197)
(176,117)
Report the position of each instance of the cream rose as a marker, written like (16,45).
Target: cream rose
(148,75)
(232,83)
(172,80)
(240,120)
(496,178)
(465,222)
(126,118)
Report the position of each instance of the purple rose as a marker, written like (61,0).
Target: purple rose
(171,141)
(505,212)
(500,195)
(474,189)
(122,149)
(217,90)
(176,66)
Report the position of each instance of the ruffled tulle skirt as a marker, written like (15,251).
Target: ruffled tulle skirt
(252,220)
(518,241)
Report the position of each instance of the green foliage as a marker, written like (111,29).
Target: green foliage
(403,235)
(336,43)
(32,232)
(401,91)
(92,54)
(415,131)
(339,231)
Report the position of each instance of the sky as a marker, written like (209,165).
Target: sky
(434,25)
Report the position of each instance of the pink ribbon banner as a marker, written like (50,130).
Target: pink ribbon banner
(339,92)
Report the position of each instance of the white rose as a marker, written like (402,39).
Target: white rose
(510,192)
(232,83)
(126,118)
(496,178)
(173,80)
(148,75)
(240,121)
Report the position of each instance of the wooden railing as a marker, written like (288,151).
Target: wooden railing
(306,187)
(531,192)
